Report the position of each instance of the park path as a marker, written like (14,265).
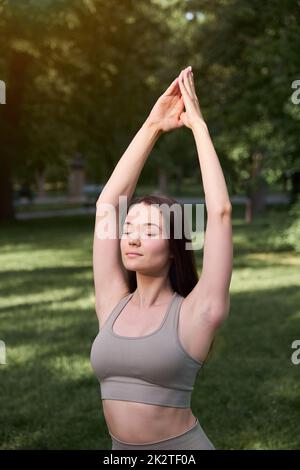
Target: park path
(235,200)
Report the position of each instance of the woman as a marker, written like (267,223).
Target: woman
(157,320)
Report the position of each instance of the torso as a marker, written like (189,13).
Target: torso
(162,422)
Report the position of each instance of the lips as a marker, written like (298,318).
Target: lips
(133,253)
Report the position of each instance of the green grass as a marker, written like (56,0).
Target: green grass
(246,397)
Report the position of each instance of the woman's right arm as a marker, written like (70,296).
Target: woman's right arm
(109,274)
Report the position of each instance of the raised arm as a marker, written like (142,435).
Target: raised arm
(109,274)
(210,297)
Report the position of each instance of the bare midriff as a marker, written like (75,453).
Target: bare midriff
(141,423)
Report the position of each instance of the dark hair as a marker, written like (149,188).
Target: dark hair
(182,272)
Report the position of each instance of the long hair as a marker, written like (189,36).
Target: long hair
(182,273)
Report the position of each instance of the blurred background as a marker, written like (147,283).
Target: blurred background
(77,80)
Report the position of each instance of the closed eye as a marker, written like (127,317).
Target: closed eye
(154,234)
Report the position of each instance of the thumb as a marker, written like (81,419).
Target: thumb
(171,87)
(182,118)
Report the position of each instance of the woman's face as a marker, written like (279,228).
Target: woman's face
(143,233)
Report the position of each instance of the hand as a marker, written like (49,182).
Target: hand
(165,114)
(192,112)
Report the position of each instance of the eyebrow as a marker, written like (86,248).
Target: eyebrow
(147,223)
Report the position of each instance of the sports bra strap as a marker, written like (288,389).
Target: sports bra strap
(116,310)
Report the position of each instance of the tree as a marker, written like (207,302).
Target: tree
(250,57)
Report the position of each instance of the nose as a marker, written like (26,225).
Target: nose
(134,240)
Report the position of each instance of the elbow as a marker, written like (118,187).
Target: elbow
(222,211)
(226,209)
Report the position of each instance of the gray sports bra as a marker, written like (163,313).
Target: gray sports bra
(153,369)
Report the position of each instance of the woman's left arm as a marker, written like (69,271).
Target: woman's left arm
(210,297)
(215,278)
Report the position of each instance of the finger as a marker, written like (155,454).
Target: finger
(187,83)
(181,121)
(172,87)
(185,94)
(192,86)
(180,105)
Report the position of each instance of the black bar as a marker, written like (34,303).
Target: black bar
(133,459)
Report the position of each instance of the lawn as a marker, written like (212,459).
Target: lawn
(246,397)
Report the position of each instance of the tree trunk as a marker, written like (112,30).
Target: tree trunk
(40,183)
(248,211)
(6,189)
(295,180)
(10,138)
(162,180)
(179,178)
(256,190)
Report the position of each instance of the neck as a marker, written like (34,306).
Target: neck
(152,294)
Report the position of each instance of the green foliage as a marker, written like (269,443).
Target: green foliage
(249,59)
(95,68)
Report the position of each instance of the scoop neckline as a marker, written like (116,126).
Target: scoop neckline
(169,306)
